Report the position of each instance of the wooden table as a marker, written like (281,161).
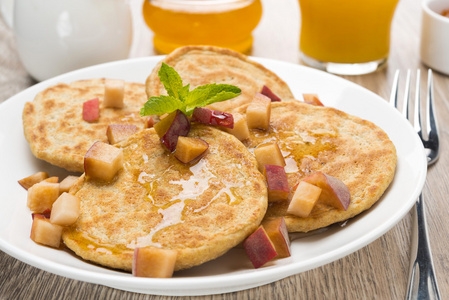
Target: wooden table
(377,271)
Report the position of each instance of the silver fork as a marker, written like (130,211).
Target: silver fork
(422,282)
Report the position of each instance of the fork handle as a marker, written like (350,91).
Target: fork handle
(422,282)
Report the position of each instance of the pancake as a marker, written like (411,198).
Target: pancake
(200,210)
(199,65)
(54,127)
(315,138)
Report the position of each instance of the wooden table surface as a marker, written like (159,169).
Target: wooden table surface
(377,271)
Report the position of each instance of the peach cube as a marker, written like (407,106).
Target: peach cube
(66,184)
(102,161)
(212,117)
(270,94)
(52,179)
(269,154)
(149,121)
(278,233)
(259,247)
(164,124)
(277,183)
(65,210)
(258,112)
(312,99)
(304,199)
(46,214)
(190,148)
(42,195)
(334,192)
(240,129)
(91,110)
(114,92)
(29,181)
(154,262)
(119,132)
(44,232)
(171,127)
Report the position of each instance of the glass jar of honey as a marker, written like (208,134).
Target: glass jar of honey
(222,23)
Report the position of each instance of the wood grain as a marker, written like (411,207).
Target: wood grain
(377,271)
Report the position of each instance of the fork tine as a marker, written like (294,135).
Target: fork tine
(432,128)
(394,90)
(417,112)
(406,96)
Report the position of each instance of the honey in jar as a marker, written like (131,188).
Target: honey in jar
(223,23)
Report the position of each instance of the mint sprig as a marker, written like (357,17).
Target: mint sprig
(180,97)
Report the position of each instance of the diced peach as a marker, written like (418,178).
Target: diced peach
(162,126)
(277,183)
(278,233)
(45,233)
(190,148)
(29,181)
(212,117)
(42,195)
(52,179)
(65,210)
(171,127)
(304,199)
(240,129)
(149,121)
(154,262)
(66,184)
(114,92)
(119,132)
(269,93)
(46,214)
(334,192)
(102,161)
(91,110)
(258,112)
(312,99)
(259,247)
(269,154)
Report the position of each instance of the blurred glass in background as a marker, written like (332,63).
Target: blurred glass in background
(223,23)
(348,37)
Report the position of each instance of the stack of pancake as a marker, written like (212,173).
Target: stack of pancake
(204,209)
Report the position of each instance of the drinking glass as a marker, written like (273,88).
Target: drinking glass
(223,23)
(348,37)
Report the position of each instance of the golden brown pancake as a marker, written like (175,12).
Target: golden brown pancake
(199,65)
(54,127)
(200,210)
(325,139)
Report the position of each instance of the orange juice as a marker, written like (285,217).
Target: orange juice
(223,23)
(346,31)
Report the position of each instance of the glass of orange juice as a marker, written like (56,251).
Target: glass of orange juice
(223,23)
(347,37)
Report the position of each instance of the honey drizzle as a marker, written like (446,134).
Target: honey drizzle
(142,175)
(170,216)
(294,150)
(196,185)
(192,188)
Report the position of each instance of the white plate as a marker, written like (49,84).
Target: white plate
(233,271)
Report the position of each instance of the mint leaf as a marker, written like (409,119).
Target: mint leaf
(184,92)
(208,94)
(180,97)
(171,80)
(161,105)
